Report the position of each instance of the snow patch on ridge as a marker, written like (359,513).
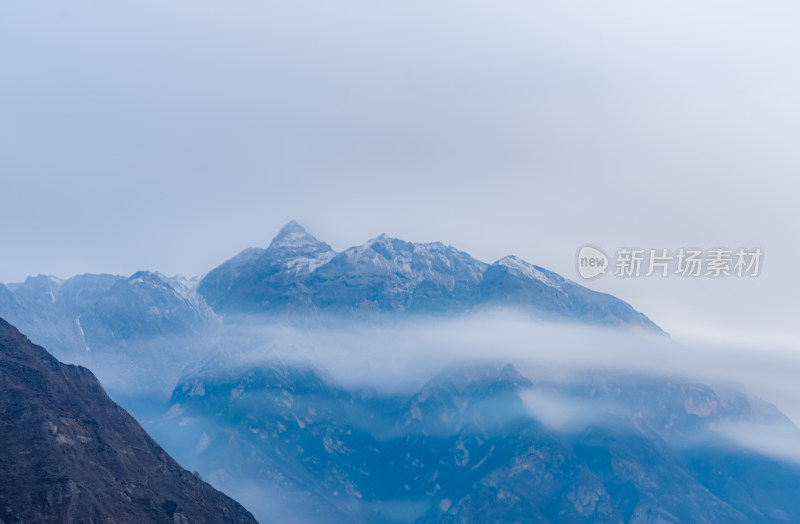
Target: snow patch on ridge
(531,271)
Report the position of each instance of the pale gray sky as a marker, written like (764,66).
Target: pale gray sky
(170,135)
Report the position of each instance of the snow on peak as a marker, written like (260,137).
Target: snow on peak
(150,278)
(294,236)
(388,246)
(530,271)
(300,251)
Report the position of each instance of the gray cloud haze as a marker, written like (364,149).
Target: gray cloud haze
(171,135)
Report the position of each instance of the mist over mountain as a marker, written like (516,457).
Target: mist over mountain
(403,382)
(483,443)
(70,454)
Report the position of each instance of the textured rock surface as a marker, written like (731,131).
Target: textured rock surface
(469,447)
(70,454)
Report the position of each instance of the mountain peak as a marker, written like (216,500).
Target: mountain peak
(291,227)
(152,278)
(383,238)
(384,243)
(299,273)
(294,236)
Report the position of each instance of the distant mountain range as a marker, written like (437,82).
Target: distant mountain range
(70,454)
(298,275)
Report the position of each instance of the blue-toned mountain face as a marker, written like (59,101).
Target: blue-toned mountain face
(90,312)
(297,276)
(299,273)
(474,445)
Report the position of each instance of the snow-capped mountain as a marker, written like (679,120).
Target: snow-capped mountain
(512,281)
(392,275)
(297,272)
(96,311)
(265,279)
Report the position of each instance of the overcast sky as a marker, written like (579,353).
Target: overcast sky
(169,135)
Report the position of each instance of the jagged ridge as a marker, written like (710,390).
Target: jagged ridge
(299,272)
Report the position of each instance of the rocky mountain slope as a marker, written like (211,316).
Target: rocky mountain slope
(70,454)
(486,444)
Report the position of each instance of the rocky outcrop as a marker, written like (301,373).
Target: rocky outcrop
(70,454)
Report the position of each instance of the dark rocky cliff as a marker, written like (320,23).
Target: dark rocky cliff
(70,454)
